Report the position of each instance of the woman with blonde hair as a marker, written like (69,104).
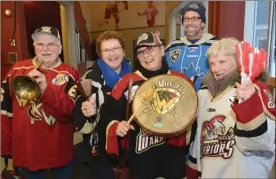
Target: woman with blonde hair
(233,140)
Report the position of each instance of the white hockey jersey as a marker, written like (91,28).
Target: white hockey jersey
(233,142)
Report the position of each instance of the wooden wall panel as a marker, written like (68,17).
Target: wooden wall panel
(226,18)
(7,30)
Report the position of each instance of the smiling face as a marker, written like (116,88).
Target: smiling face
(150,57)
(221,65)
(112,53)
(47,48)
(193,25)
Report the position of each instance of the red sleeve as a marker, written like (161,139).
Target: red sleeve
(267,99)
(61,102)
(253,108)
(112,143)
(244,110)
(122,84)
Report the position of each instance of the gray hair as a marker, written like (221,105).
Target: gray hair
(35,37)
(224,46)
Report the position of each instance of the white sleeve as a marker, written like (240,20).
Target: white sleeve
(260,139)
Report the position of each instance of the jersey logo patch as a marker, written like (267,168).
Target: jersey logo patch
(144,36)
(174,55)
(165,100)
(216,140)
(166,96)
(145,142)
(36,113)
(46,29)
(271,103)
(60,79)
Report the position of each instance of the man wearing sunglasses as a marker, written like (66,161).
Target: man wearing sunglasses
(187,54)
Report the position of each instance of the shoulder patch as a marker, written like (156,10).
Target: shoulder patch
(60,79)
(270,103)
(174,54)
(133,90)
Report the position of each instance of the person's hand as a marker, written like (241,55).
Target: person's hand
(123,128)
(245,90)
(40,78)
(88,107)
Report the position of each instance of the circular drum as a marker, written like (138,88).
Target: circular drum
(166,105)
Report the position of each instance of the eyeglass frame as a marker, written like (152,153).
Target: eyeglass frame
(193,19)
(146,50)
(48,46)
(109,50)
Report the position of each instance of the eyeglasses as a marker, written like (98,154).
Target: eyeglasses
(114,50)
(48,46)
(146,50)
(193,19)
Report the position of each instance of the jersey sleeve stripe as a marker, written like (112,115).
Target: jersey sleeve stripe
(253,133)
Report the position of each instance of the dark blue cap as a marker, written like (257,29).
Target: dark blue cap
(196,7)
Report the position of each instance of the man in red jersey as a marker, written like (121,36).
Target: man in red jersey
(39,135)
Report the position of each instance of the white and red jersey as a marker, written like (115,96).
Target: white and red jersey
(39,135)
(233,140)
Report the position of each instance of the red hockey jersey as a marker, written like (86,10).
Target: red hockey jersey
(39,135)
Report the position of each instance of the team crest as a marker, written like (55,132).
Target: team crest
(165,96)
(36,113)
(160,104)
(193,6)
(145,142)
(175,54)
(216,139)
(165,99)
(142,37)
(46,29)
(60,79)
